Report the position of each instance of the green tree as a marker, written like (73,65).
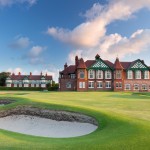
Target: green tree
(3,76)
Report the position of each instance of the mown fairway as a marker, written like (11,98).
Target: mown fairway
(124,120)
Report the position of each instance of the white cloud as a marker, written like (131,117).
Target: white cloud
(35,55)
(4,3)
(115,45)
(20,42)
(89,37)
(36,51)
(90,32)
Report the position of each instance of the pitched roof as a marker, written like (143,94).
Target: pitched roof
(68,70)
(82,64)
(117,64)
(125,65)
(30,77)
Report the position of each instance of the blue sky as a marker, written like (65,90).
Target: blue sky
(41,35)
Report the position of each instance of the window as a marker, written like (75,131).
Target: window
(32,85)
(130,74)
(72,76)
(26,85)
(99,74)
(144,87)
(127,87)
(8,85)
(43,85)
(37,85)
(99,84)
(15,85)
(20,85)
(81,75)
(91,84)
(118,84)
(138,74)
(108,84)
(81,85)
(68,85)
(146,74)
(91,74)
(107,74)
(136,86)
(118,74)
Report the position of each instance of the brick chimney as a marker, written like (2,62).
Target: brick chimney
(41,73)
(46,74)
(65,66)
(76,61)
(30,73)
(19,73)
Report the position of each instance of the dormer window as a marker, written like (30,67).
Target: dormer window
(138,74)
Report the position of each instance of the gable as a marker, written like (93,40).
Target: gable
(139,65)
(99,64)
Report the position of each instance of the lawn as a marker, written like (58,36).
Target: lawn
(124,120)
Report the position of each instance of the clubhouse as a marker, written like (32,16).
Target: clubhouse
(28,80)
(103,75)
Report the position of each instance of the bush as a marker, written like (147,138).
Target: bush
(2,88)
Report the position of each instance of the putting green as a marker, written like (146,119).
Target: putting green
(124,120)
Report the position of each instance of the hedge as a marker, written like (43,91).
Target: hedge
(2,88)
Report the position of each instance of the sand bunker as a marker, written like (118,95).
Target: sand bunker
(46,123)
(45,127)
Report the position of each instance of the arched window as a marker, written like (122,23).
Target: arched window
(91,74)
(99,74)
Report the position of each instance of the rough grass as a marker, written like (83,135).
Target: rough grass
(124,120)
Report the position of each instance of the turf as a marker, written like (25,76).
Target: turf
(124,120)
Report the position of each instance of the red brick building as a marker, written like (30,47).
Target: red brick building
(28,80)
(99,74)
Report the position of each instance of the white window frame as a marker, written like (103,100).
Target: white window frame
(144,87)
(99,74)
(108,84)
(15,85)
(26,85)
(99,83)
(8,85)
(32,85)
(81,85)
(130,74)
(91,84)
(108,74)
(146,74)
(37,85)
(81,72)
(43,85)
(138,74)
(136,85)
(91,74)
(20,84)
(118,74)
(119,85)
(127,86)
